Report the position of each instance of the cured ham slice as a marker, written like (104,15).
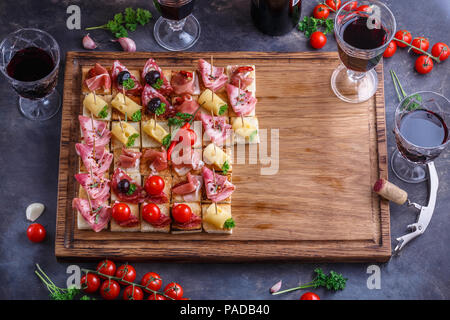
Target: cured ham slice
(137,196)
(184,82)
(166,88)
(116,69)
(157,159)
(216,128)
(213,79)
(186,104)
(194,221)
(241,75)
(218,188)
(131,222)
(149,93)
(129,158)
(97,218)
(182,164)
(98,132)
(99,162)
(97,187)
(98,78)
(190,189)
(242,101)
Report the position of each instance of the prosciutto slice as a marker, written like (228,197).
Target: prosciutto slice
(184,82)
(213,79)
(216,128)
(116,69)
(98,78)
(186,104)
(99,162)
(189,189)
(94,130)
(166,89)
(182,164)
(129,158)
(137,196)
(242,101)
(97,187)
(97,218)
(157,159)
(241,75)
(149,93)
(218,191)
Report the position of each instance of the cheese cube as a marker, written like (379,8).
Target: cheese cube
(213,221)
(245,131)
(215,156)
(154,130)
(127,106)
(212,102)
(97,106)
(128,137)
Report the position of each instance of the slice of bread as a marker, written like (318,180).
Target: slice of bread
(148,227)
(209,228)
(84,76)
(115,227)
(197,210)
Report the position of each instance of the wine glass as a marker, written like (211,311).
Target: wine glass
(29,59)
(177,29)
(362,36)
(421,133)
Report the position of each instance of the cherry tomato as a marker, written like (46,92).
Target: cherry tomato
(390,50)
(364,8)
(110,289)
(333,4)
(151,212)
(309,296)
(151,280)
(317,40)
(106,267)
(154,185)
(126,272)
(420,42)
(351,5)
(182,213)
(133,293)
(121,212)
(36,232)
(90,283)
(174,290)
(321,12)
(440,50)
(403,35)
(156,296)
(424,64)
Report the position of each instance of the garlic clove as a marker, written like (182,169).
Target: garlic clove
(276,287)
(127,44)
(88,43)
(34,211)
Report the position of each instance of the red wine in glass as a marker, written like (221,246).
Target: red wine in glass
(175,10)
(32,64)
(424,129)
(356,33)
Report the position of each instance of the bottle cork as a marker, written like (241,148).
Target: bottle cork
(390,191)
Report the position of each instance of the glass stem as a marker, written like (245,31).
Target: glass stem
(355,76)
(176,25)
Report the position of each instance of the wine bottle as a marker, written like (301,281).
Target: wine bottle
(276,17)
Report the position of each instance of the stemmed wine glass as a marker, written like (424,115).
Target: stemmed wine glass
(177,29)
(421,133)
(29,59)
(362,36)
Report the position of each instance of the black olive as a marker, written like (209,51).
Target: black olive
(123,185)
(153,105)
(123,76)
(152,76)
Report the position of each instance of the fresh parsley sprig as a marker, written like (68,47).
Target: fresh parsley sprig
(310,24)
(180,119)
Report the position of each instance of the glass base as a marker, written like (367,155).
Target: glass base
(177,35)
(354,87)
(408,171)
(42,109)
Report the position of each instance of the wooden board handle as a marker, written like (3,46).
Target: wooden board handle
(390,191)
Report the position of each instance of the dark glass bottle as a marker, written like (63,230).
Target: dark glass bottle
(276,17)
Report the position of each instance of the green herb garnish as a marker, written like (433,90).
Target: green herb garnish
(175,122)
(157,85)
(131,190)
(253,135)
(225,167)
(104,112)
(136,116)
(128,84)
(229,224)
(309,25)
(223,109)
(179,119)
(131,139)
(166,141)
(56,293)
(161,109)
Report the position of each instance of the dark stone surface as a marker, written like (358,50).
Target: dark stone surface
(29,161)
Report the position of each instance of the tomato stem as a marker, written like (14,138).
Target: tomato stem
(304,286)
(418,49)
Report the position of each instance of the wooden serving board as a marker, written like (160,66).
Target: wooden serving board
(318,207)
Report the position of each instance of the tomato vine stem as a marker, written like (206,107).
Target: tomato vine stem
(418,49)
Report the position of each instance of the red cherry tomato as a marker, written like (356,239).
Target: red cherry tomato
(151,212)
(364,8)
(106,267)
(390,50)
(424,64)
(403,35)
(174,290)
(309,296)
(36,232)
(90,283)
(109,290)
(420,42)
(182,213)
(350,6)
(151,280)
(126,272)
(121,212)
(440,50)
(133,293)
(321,11)
(154,185)
(318,40)
(156,296)
(333,4)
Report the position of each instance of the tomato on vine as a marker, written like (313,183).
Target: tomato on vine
(174,290)
(152,281)
(317,40)
(424,64)
(106,267)
(351,5)
(390,50)
(403,35)
(109,289)
(364,8)
(309,296)
(133,293)
(156,296)
(421,43)
(333,4)
(126,272)
(321,11)
(440,50)
(90,283)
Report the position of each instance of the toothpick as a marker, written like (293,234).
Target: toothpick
(121,127)
(242,119)
(93,148)
(215,204)
(95,97)
(124,98)
(89,200)
(155,122)
(211,67)
(214,123)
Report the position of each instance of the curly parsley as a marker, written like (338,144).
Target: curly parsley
(158,84)
(225,167)
(229,224)
(128,84)
(161,109)
(309,25)
(223,109)
(131,139)
(136,116)
(166,141)
(131,190)
(104,112)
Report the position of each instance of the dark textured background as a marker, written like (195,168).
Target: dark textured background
(29,160)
